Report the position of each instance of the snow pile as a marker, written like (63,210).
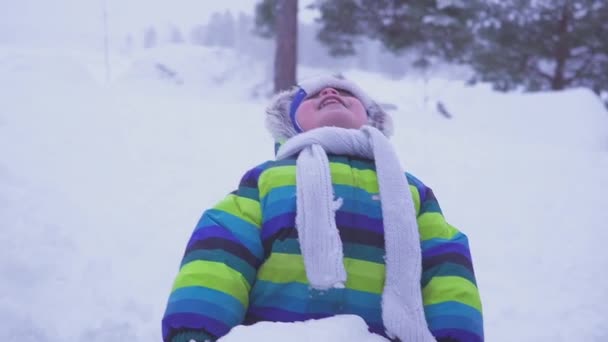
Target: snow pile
(344,328)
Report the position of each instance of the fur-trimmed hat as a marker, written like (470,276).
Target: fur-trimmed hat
(280,118)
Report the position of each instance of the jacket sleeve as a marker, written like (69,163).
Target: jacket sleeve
(452,303)
(210,294)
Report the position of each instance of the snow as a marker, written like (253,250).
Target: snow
(339,328)
(102,183)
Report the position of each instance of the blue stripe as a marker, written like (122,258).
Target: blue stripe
(292,296)
(455,322)
(226,314)
(203,293)
(282,200)
(363,252)
(277,209)
(293,108)
(452,308)
(435,242)
(287,246)
(357,200)
(279,194)
(247,233)
(248,192)
(225,257)
(430,206)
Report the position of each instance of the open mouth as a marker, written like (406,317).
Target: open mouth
(331,100)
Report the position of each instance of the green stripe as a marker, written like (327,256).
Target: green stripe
(276,177)
(444,289)
(216,276)
(340,173)
(220,256)
(346,175)
(364,275)
(415,198)
(285,268)
(433,226)
(245,208)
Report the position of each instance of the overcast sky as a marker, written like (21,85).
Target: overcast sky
(39,20)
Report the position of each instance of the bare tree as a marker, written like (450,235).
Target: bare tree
(286,53)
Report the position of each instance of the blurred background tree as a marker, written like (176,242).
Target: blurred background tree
(542,45)
(432,28)
(512,44)
(279,19)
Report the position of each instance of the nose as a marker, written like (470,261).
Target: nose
(329,91)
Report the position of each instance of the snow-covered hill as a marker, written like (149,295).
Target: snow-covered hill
(102,183)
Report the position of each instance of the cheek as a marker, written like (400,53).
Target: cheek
(306,115)
(360,115)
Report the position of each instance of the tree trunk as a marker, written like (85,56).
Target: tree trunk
(562,51)
(286,53)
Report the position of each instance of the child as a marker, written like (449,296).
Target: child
(332,226)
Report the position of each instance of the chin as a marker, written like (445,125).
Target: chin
(340,119)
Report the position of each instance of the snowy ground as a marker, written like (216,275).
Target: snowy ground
(102,183)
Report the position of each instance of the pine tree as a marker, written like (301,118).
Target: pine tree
(265,18)
(543,44)
(435,28)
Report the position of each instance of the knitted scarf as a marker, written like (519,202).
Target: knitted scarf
(402,308)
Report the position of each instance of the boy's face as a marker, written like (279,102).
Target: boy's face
(331,107)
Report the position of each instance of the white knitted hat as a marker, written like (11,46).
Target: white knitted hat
(280,118)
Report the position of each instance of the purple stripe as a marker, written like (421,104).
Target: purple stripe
(211,232)
(252,176)
(278,315)
(448,247)
(456,335)
(193,321)
(356,221)
(343,219)
(273,225)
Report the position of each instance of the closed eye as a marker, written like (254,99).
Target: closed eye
(342,92)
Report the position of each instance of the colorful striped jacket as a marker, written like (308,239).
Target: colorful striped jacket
(243,263)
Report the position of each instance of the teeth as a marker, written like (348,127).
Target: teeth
(328,102)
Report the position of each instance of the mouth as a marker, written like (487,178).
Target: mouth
(331,100)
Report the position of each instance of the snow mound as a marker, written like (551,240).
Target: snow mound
(44,65)
(343,328)
(193,68)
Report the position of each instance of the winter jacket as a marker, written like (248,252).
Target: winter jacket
(243,263)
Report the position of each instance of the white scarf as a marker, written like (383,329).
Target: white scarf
(402,308)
